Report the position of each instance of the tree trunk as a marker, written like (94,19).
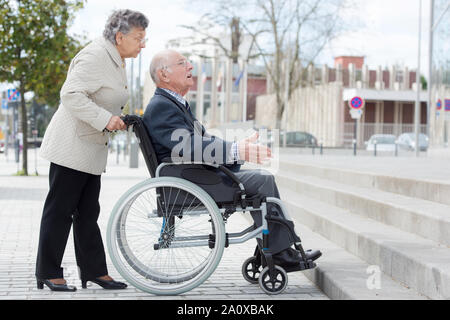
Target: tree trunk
(280,110)
(23,110)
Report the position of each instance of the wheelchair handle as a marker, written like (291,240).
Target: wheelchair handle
(130,119)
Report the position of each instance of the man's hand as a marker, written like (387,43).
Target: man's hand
(252,152)
(115,123)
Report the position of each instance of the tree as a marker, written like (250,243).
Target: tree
(206,32)
(36,50)
(279,29)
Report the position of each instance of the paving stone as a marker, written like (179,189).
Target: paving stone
(21,203)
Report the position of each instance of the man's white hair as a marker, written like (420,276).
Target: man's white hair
(160,61)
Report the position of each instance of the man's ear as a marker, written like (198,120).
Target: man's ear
(163,76)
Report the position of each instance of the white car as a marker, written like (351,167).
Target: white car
(407,141)
(384,142)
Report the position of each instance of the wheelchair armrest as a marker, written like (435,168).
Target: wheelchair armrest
(228,172)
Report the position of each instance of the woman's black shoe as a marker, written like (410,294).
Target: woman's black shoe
(54,287)
(105,284)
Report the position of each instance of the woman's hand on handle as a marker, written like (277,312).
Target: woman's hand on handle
(115,123)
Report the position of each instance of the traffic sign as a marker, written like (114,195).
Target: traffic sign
(447,104)
(13,95)
(356,103)
(356,113)
(439,104)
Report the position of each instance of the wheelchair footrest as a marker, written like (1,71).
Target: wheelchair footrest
(212,241)
(302,266)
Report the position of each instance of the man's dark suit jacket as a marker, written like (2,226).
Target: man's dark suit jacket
(165,114)
(174,132)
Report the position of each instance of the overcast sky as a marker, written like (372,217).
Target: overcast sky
(389,34)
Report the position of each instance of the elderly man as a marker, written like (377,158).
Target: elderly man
(168,112)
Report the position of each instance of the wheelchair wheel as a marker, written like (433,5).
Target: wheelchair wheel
(275,285)
(251,269)
(159,236)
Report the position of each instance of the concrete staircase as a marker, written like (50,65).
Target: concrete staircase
(382,237)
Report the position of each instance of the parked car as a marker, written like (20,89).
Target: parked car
(407,141)
(298,139)
(384,142)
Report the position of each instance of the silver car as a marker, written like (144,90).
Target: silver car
(384,142)
(407,141)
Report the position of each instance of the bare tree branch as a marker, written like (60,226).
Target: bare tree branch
(272,27)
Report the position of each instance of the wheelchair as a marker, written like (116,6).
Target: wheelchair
(166,235)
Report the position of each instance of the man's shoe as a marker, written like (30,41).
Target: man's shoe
(291,257)
(313,255)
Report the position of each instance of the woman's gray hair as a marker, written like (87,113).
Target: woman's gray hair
(123,20)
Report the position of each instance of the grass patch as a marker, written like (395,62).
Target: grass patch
(21,173)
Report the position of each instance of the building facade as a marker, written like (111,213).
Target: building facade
(222,92)
(322,106)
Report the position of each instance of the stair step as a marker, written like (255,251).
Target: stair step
(425,218)
(415,186)
(419,263)
(343,276)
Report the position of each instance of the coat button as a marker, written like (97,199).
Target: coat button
(121,108)
(126,87)
(106,143)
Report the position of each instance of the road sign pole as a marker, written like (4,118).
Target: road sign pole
(15,106)
(356,105)
(7,134)
(35,132)
(355,138)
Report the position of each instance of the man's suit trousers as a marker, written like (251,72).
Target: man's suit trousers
(262,182)
(72,200)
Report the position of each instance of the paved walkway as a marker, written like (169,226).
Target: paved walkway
(21,201)
(422,168)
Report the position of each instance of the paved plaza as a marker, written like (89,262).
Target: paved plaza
(22,199)
(21,202)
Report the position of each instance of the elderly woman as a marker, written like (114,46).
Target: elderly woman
(76,144)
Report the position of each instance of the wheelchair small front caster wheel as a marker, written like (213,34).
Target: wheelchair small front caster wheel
(251,269)
(275,285)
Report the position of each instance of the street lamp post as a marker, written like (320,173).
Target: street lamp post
(430,65)
(135,105)
(418,85)
(433,25)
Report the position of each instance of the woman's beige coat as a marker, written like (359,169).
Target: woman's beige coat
(95,90)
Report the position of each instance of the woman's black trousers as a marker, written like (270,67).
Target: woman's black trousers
(72,200)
